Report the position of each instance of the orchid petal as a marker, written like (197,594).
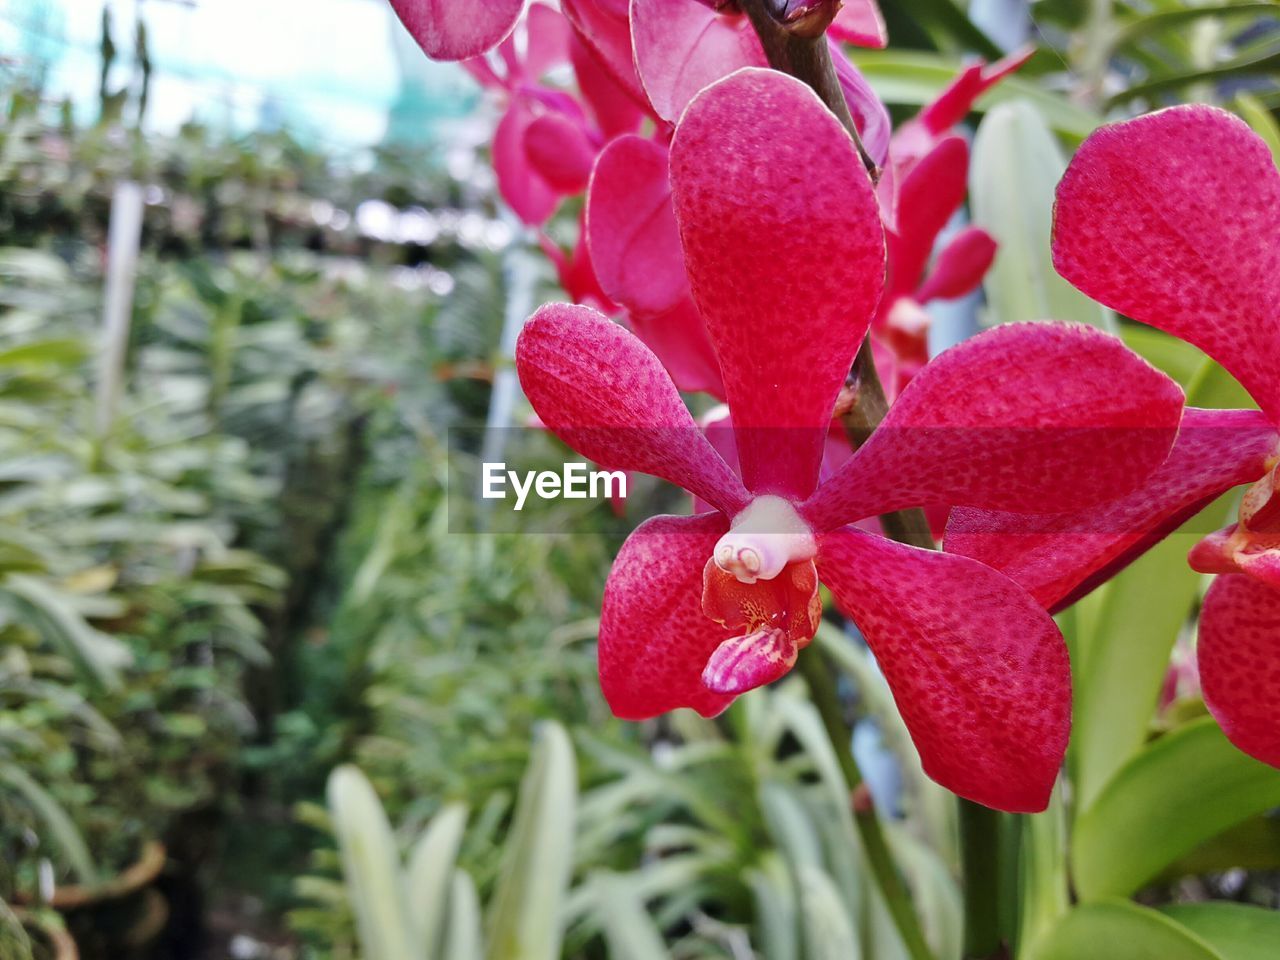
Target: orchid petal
(548,36)
(560,151)
(605,29)
(928,196)
(801,269)
(524,189)
(958,99)
(1239,662)
(655,640)
(605,394)
(631,227)
(615,110)
(960,266)
(457,29)
(870,115)
(978,670)
(859,22)
(679,339)
(682,47)
(1024,417)
(1059,557)
(1174,220)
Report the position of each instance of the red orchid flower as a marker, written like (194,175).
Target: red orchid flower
(1174,220)
(458,29)
(785,253)
(546,142)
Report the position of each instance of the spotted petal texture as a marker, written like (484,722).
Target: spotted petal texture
(1022,418)
(1239,657)
(1059,557)
(457,29)
(785,255)
(978,670)
(1174,219)
(605,394)
(654,638)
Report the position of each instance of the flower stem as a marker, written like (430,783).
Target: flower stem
(818,673)
(979,854)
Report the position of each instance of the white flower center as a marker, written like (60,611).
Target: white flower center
(763,539)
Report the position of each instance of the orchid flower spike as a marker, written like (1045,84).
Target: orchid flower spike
(785,255)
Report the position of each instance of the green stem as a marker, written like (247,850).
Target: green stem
(979,855)
(818,673)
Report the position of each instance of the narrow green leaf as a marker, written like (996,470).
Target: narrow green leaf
(776,910)
(429,875)
(62,830)
(525,918)
(1252,845)
(826,928)
(98,656)
(1043,890)
(1015,170)
(1261,119)
(630,932)
(1181,790)
(463,939)
(1236,930)
(1120,931)
(371,867)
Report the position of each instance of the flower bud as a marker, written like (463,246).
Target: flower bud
(804,18)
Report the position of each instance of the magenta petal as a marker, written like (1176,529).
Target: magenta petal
(560,150)
(615,110)
(457,29)
(681,47)
(859,22)
(955,102)
(548,37)
(604,393)
(960,266)
(870,115)
(1174,220)
(979,671)
(523,188)
(1239,659)
(1059,557)
(679,339)
(603,26)
(786,286)
(927,197)
(1025,417)
(631,227)
(655,640)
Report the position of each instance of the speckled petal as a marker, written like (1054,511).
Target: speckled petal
(655,640)
(979,671)
(1174,220)
(605,394)
(457,29)
(1239,657)
(785,256)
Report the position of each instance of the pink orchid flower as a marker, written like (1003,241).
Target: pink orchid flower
(1174,220)
(546,142)
(458,29)
(785,252)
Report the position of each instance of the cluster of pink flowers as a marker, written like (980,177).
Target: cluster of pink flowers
(733,242)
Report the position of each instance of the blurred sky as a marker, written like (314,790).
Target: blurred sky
(332,71)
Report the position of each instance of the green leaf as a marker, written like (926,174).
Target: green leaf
(463,939)
(1015,170)
(1252,845)
(914,79)
(776,910)
(1236,930)
(1181,790)
(55,353)
(371,867)
(430,874)
(98,656)
(1120,931)
(1262,121)
(825,925)
(62,831)
(629,931)
(1179,359)
(525,917)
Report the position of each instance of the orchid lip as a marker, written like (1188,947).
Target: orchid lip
(764,537)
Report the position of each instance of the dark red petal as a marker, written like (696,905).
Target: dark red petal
(1059,557)
(1174,220)
(605,394)
(979,671)
(955,102)
(928,196)
(655,640)
(457,29)
(1239,657)
(1025,417)
(785,255)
